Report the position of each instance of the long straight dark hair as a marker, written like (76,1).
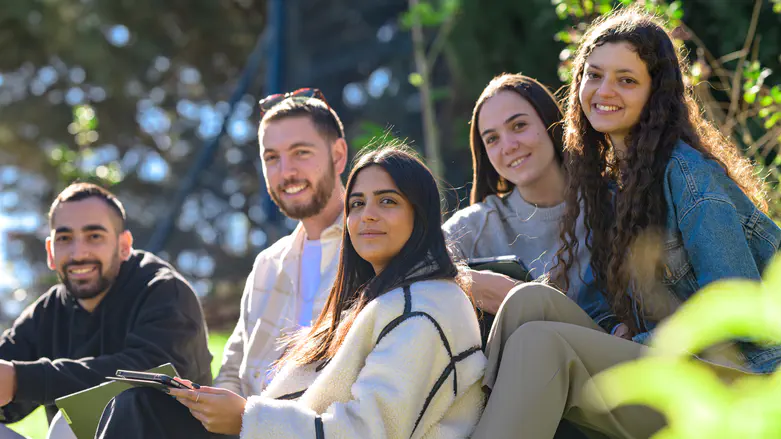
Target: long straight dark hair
(423,257)
(485,180)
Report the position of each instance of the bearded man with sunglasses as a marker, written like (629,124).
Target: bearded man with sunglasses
(303,152)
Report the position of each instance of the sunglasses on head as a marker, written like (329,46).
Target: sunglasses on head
(270,101)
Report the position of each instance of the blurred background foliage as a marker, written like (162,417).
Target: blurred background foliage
(129,93)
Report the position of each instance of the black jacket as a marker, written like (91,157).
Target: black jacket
(150,316)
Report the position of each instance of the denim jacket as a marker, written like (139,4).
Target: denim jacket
(713,232)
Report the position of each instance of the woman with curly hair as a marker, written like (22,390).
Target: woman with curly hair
(670,207)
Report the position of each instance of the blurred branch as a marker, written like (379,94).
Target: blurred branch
(738,74)
(440,40)
(423,67)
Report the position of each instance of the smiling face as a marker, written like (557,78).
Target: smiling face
(614,89)
(380,219)
(516,141)
(85,248)
(298,166)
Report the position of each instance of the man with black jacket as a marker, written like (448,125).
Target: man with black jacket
(115,308)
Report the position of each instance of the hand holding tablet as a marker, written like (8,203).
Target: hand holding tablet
(159,381)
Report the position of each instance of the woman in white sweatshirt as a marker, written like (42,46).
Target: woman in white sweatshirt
(396,351)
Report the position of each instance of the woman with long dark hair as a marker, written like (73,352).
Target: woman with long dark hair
(395,353)
(517,198)
(670,207)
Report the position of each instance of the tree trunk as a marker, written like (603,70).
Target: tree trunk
(430,129)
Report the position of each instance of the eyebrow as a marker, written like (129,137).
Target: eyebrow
(87,228)
(291,147)
(301,144)
(508,120)
(594,66)
(379,192)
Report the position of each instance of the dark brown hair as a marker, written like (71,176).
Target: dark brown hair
(324,118)
(670,115)
(485,180)
(81,191)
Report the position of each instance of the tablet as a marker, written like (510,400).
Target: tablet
(158,381)
(508,265)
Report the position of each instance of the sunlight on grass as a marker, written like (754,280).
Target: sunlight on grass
(216,344)
(35,426)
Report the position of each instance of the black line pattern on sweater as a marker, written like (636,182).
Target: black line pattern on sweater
(466,353)
(407,299)
(409,314)
(319,430)
(294,395)
(451,367)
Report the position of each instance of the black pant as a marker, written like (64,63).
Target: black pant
(142,413)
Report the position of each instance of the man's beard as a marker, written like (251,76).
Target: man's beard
(92,288)
(323,190)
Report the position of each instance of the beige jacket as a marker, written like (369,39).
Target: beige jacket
(269,308)
(410,367)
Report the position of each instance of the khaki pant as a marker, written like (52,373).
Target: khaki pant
(541,351)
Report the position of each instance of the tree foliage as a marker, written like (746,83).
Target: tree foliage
(125,93)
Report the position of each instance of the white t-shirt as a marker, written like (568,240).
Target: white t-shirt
(309,281)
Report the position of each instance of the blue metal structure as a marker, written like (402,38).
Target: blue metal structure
(206,155)
(275,74)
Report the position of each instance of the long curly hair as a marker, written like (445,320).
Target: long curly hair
(485,180)
(614,219)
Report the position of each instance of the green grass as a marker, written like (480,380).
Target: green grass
(217,342)
(35,426)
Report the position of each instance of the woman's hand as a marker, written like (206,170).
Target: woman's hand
(219,410)
(622,331)
(489,289)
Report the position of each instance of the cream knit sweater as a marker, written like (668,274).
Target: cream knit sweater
(410,367)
